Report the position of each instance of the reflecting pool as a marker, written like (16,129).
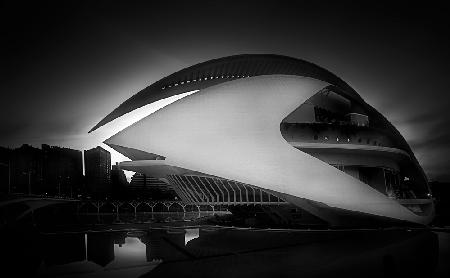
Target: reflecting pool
(219,251)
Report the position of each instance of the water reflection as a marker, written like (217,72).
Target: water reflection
(95,255)
(207,251)
(262,253)
(191,234)
(100,248)
(131,253)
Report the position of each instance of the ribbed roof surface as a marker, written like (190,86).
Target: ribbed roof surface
(221,70)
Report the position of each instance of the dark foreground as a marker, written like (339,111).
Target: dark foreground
(180,250)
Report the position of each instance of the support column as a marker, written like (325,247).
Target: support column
(135,204)
(183,206)
(168,205)
(117,206)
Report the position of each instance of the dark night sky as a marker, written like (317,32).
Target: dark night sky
(64,67)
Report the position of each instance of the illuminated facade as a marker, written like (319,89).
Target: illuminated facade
(275,132)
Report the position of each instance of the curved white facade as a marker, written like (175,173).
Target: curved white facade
(231,131)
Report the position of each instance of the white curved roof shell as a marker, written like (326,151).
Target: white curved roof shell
(232,130)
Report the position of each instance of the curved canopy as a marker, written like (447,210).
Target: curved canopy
(212,72)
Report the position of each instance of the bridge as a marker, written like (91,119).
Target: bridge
(193,199)
(32,203)
(135,204)
(35,202)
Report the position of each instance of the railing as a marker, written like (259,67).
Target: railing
(335,134)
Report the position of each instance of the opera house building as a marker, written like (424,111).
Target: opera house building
(275,135)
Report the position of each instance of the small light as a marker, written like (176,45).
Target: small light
(163,88)
(188,81)
(182,82)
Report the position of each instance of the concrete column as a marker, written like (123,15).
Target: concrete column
(135,204)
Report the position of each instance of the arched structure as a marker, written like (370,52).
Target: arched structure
(275,131)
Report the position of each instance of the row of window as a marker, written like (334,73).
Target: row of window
(348,140)
(204,79)
(396,186)
(326,116)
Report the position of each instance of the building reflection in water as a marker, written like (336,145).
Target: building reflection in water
(228,252)
(103,254)
(128,254)
(191,234)
(165,245)
(100,248)
(253,253)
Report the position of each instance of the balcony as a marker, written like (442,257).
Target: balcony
(336,133)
